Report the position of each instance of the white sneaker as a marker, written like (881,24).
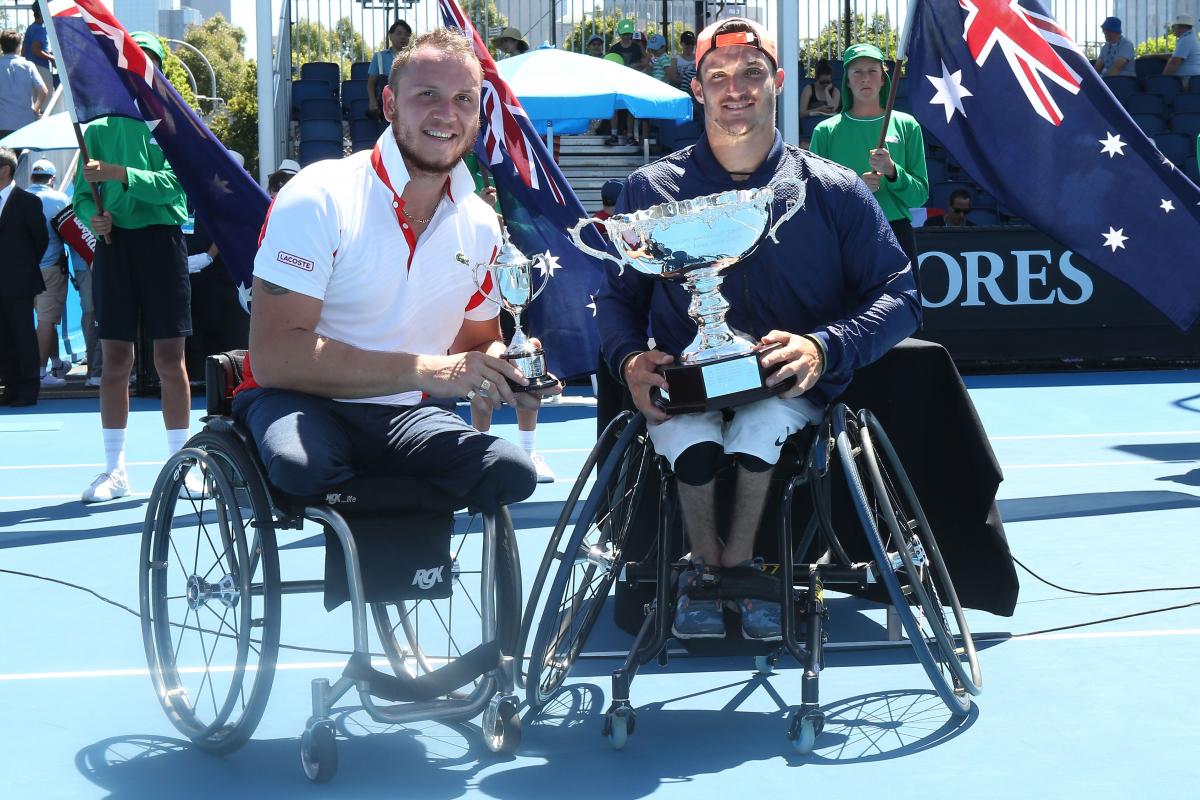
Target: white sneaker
(544,473)
(92,382)
(107,486)
(193,485)
(49,379)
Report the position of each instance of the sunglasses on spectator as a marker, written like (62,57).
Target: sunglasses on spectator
(963,211)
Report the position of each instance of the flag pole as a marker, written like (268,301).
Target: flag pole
(901,55)
(48,21)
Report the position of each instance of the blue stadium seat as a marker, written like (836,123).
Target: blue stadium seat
(307,90)
(1146,104)
(318,151)
(1186,103)
(359,109)
(1148,66)
(981,198)
(1165,86)
(984,216)
(939,193)
(359,69)
(320,130)
(351,91)
(321,108)
(365,130)
(1190,169)
(1151,124)
(808,124)
(1175,146)
(1122,86)
(1188,124)
(1193,87)
(936,169)
(837,68)
(323,71)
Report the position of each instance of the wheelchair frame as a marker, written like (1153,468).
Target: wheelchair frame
(905,559)
(234,479)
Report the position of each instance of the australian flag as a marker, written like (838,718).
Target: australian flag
(539,206)
(109,75)
(1003,87)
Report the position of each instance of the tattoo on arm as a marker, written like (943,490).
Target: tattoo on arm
(274,288)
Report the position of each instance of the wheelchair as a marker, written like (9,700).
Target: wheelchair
(210,592)
(595,545)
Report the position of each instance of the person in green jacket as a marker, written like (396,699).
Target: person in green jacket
(895,173)
(139,271)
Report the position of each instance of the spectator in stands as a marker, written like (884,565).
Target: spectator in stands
(140,273)
(35,48)
(381,65)
(956,213)
(895,173)
(23,240)
(1116,56)
(50,303)
(276,180)
(22,91)
(657,61)
(683,66)
(509,43)
(1185,61)
(635,58)
(822,98)
(595,45)
(609,193)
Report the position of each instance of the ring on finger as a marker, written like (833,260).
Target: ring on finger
(484,385)
(471,394)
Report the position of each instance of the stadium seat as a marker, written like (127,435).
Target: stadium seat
(357,145)
(1165,86)
(323,71)
(320,108)
(1175,146)
(808,124)
(1122,86)
(983,199)
(320,130)
(1190,169)
(935,168)
(359,108)
(1193,87)
(939,193)
(353,90)
(1146,104)
(1186,103)
(359,69)
(1151,124)
(318,151)
(307,90)
(985,216)
(836,67)
(365,130)
(1188,124)
(1148,66)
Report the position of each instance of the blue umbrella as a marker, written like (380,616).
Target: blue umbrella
(563,87)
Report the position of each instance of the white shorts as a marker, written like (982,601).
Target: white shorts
(758,429)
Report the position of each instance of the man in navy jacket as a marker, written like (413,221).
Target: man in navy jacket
(23,240)
(835,293)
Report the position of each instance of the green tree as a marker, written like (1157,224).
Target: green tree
(176,73)
(223,44)
(312,41)
(1160,45)
(830,42)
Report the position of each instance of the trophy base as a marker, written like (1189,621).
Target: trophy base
(722,383)
(531,362)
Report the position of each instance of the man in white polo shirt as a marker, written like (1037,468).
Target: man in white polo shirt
(364,324)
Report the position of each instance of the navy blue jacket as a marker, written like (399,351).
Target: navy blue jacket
(837,272)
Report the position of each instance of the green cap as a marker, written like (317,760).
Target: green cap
(863,50)
(148,41)
(626,26)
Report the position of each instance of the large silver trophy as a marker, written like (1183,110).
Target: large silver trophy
(695,241)
(514,290)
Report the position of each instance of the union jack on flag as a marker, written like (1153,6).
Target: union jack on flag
(1091,179)
(539,207)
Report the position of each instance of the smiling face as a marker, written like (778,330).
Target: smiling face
(738,86)
(433,107)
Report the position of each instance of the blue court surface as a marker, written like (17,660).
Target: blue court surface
(1101,493)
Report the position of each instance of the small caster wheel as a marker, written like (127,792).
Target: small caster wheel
(318,752)
(502,726)
(804,730)
(618,724)
(765,665)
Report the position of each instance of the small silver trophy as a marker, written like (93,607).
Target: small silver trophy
(695,241)
(514,289)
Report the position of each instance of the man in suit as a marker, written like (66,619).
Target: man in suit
(23,240)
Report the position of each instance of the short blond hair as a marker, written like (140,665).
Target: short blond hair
(447,40)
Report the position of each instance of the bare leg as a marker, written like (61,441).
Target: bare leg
(114,383)
(699,507)
(527,418)
(750,497)
(173,382)
(47,340)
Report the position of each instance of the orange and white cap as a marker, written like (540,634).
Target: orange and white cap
(750,34)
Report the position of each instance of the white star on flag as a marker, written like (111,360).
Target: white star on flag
(1112,145)
(950,91)
(1115,238)
(592,305)
(220,187)
(547,264)
(1167,206)
(244,297)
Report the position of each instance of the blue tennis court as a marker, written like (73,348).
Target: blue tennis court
(1101,493)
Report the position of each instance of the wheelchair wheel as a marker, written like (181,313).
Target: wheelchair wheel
(907,558)
(588,562)
(419,636)
(209,591)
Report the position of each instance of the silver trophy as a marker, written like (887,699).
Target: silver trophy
(514,289)
(695,241)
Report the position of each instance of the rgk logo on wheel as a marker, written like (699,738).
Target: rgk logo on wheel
(428,578)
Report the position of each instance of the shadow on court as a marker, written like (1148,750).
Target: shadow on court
(70,510)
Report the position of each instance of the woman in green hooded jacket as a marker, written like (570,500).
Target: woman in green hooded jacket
(896,172)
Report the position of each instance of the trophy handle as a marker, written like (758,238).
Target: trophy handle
(545,281)
(792,209)
(591,251)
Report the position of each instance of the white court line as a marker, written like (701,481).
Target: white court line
(125,673)
(1147,434)
(1126,463)
(81,466)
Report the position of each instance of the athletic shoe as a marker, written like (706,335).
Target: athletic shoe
(762,620)
(697,619)
(193,486)
(107,486)
(49,379)
(544,473)
(92,382)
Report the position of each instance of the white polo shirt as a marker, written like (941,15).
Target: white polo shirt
(337,232)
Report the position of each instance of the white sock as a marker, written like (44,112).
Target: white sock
(176,439)
(114,449)
(526,439)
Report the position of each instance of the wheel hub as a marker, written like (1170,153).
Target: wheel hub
(200,591)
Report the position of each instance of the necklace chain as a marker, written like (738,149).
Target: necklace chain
(418,220)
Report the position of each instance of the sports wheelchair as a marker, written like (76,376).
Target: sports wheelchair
(210,592)
(600,540)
